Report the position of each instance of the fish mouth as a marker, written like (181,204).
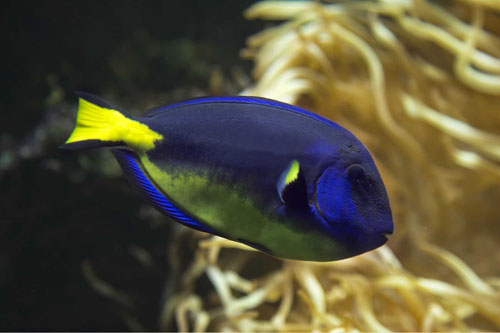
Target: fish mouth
(387,233)
(386,228)
(379,240)
(384,236)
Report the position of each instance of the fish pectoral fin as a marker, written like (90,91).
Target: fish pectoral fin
(292,187)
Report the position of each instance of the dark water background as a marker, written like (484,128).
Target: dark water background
(62,211)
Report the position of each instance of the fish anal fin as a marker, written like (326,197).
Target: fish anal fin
(132,170)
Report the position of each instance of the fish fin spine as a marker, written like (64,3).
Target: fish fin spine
(100,125)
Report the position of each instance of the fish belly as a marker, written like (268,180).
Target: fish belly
(225,208)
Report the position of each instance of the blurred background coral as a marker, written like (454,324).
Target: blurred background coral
(418,81)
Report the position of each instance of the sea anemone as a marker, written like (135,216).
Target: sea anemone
(419,83)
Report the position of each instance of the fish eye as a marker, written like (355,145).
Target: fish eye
(356,171)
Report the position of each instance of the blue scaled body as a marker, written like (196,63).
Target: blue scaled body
(271,175)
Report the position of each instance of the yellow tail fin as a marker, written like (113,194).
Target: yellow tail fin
(98,124)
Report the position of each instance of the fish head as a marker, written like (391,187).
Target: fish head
(351,199)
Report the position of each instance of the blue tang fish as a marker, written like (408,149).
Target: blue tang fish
(267,174)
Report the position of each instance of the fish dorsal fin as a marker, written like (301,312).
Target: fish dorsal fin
(292,187)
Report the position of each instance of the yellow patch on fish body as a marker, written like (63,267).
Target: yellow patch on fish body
(223,208)
(293,173)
